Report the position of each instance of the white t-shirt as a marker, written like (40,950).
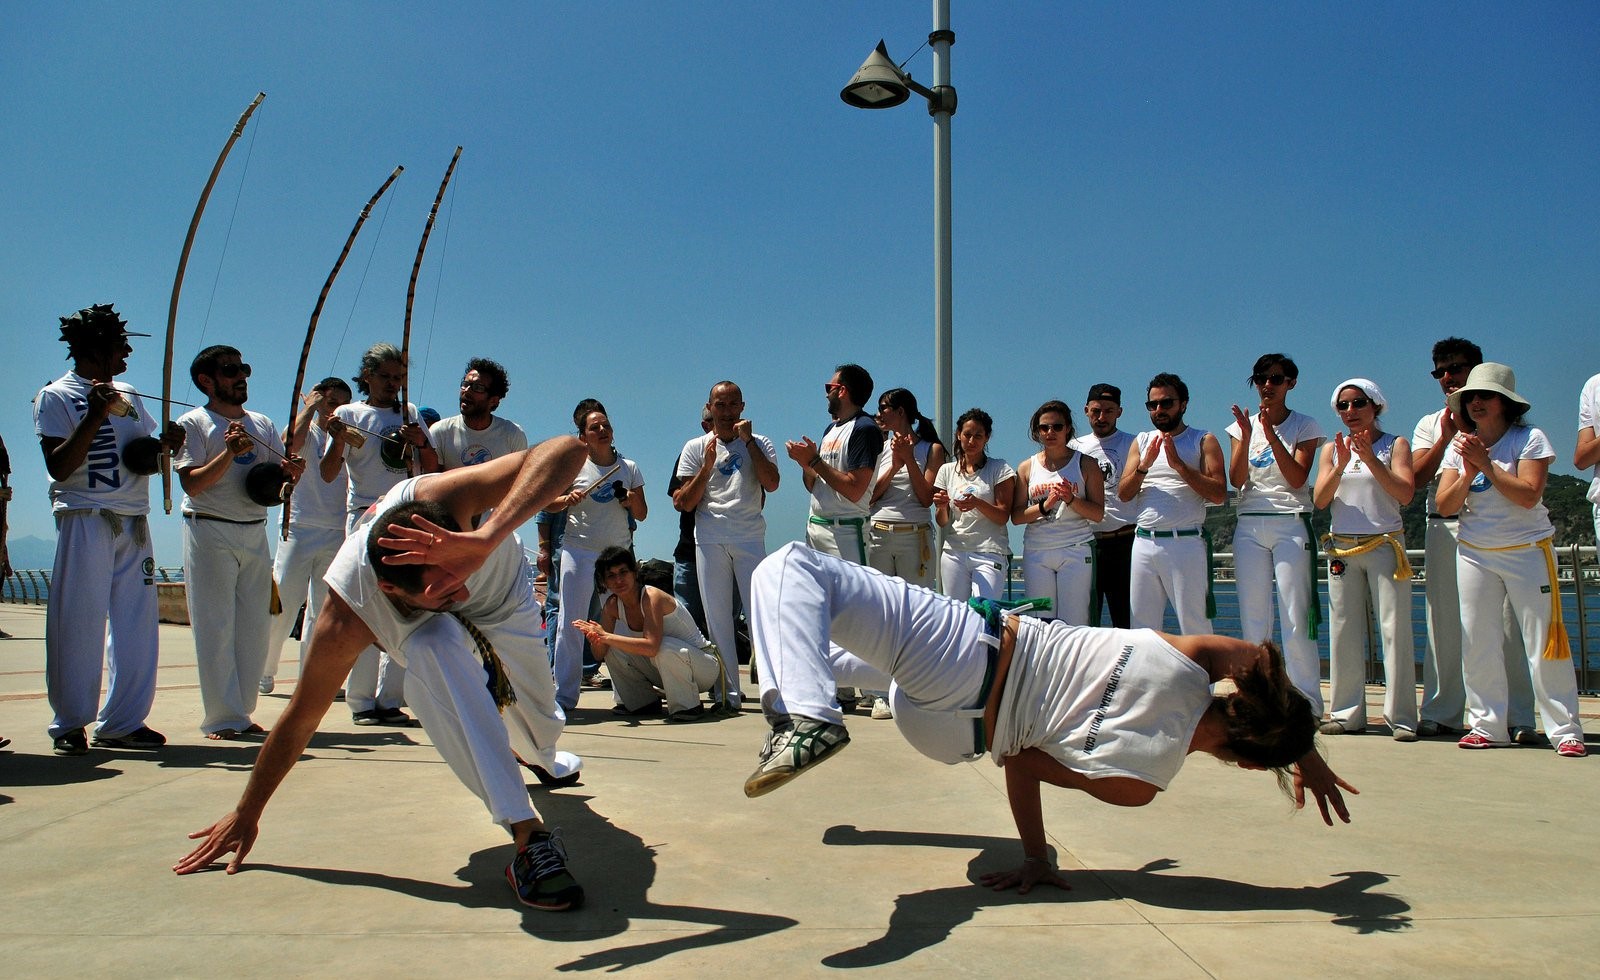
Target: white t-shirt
(495,591)
(102,481)
(1360,504)
(1101,702)
(1165,502)
(1422,439)
(846,446)
(1112,452)
(730,508)
(972,532)
(316,504)
(1266,491)
(599,520)
(458,444)
(1488,518)
(378,465)
(899,501)
(1061,527)
(1589,417)
(203,441)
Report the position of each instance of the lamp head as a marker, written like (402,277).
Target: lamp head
(877,84)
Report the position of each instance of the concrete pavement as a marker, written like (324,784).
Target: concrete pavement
(374,860)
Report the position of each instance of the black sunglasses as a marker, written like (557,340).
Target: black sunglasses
(233,370)
(1052,426)
(1345,406)
(1268,379)
(1156,403)
(1456,368)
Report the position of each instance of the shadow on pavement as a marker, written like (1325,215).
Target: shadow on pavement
(924,919)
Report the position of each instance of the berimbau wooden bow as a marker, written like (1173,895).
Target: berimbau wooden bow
(311,328)
(411,296)
(177,288)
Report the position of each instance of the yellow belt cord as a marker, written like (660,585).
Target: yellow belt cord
(1556,645)
(1364,544)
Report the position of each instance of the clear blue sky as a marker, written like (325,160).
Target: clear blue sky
(656,196)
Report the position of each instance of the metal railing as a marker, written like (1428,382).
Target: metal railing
(31,586)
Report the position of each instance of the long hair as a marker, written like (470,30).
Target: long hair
(1053,405)
(1267,722)
(985,423)
(921,425)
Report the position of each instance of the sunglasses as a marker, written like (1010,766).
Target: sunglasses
(1476,396)
(1345,406)
(1052,427)
(476,387)
(1156,403)
(233,370)
(829,387)
(1457,368)
(1268,379)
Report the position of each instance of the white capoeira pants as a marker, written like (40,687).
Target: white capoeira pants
(377,681)
(227,575)
(298,568)
(1444,694)
(447,689)
(842,540)
(577,590)
(1171,569)
(969,573)
(722,568)
(1065,576)
(902,550)
(679,670)
(1487,580)
(101,576)
(1277,549)
(1367,581)
(818,622)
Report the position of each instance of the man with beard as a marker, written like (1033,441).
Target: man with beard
(838,474)
(226,568)
(1113,536)
(1173,473)
(477,435)
(1444,692)
(376,687)
(727,476)
(103,595)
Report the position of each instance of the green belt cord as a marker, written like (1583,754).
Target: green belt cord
(856,522)
(1211,594)
(1314,611)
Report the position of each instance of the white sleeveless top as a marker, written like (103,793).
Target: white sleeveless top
(1061,527)
(1360,504)
(1166,503)
(677,625)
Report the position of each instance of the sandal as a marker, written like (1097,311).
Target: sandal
(223,735)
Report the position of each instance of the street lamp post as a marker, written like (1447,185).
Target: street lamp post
(880,84)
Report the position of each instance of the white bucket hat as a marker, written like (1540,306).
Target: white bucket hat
(1368,388)
(1488,376)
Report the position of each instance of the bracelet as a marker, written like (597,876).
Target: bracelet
(1140,470)
(814,461)
(1029,859)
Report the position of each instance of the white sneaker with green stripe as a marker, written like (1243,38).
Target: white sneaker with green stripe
(792,749)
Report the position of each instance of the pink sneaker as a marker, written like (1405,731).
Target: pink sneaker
(1478,740)
(1572,748)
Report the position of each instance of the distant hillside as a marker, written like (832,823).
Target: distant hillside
(1570,512)
(32,552)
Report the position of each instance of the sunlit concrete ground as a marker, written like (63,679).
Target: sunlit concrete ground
(373,861)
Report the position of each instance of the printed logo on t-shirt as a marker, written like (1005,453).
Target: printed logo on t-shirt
(605,492)
(104,462)
(1263,459)
(475,454)
(245,459)
(733,464)
(1480,483)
